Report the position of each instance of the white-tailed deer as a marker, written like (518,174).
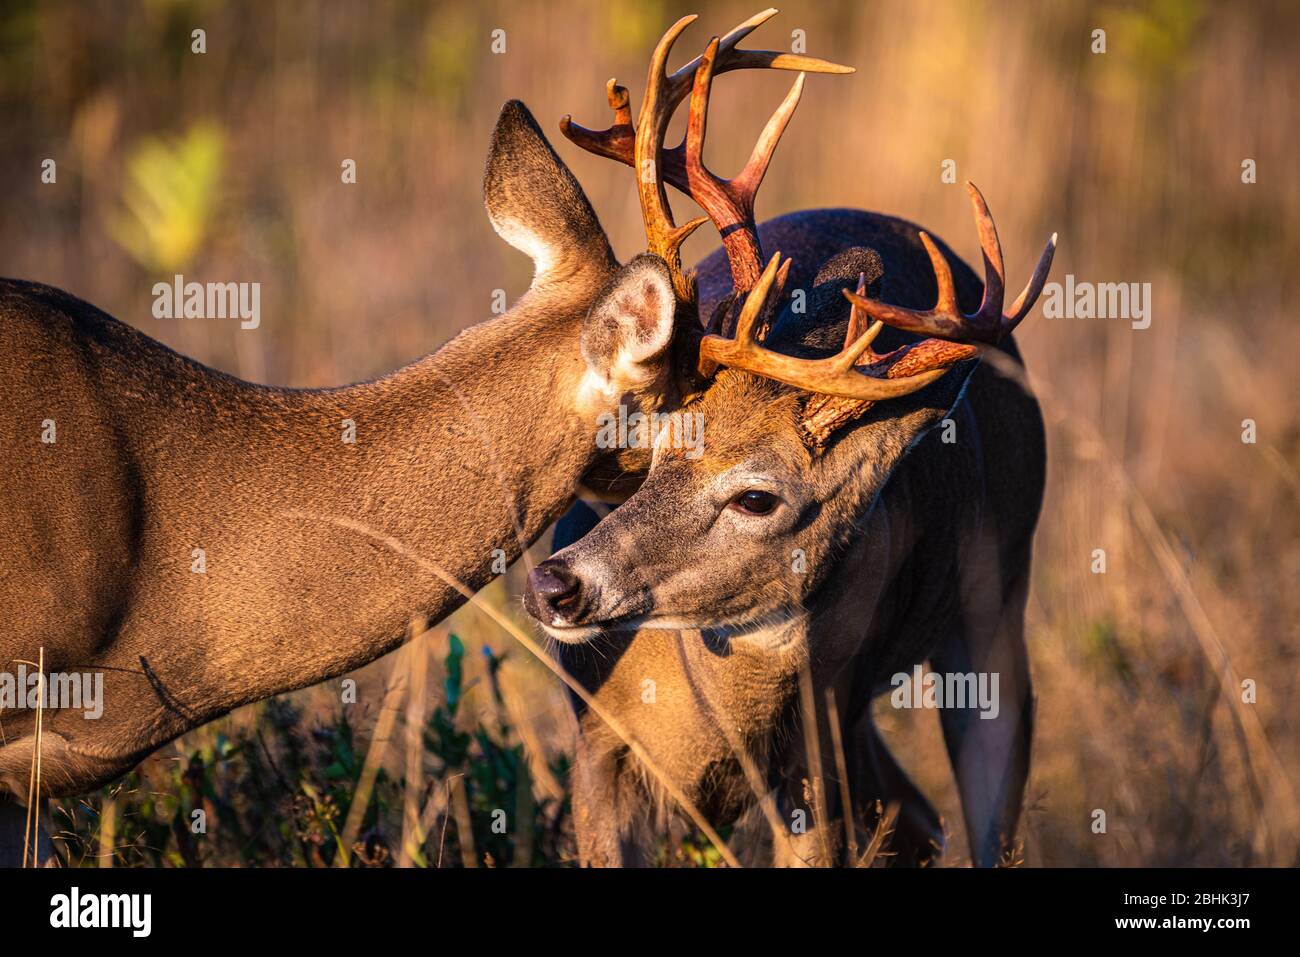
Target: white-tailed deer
(825,537)
(122,459)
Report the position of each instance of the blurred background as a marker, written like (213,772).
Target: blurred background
(226,165)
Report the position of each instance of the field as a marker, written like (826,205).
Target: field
(1168,686)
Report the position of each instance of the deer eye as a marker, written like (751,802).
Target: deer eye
(755,502)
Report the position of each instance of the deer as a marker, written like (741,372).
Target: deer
(740,610)
(204,542)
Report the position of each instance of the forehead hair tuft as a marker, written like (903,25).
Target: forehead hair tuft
(744,413)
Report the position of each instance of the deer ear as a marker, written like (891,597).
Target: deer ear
(626,335)
(535,203)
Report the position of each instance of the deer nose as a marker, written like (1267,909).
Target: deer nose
(554,591)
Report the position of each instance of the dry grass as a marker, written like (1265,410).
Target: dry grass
(1134,156)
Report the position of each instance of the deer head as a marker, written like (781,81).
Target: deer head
(799,437)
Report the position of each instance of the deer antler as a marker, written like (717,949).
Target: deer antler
(913,366)
(729,204)
(855,372)
(988,324)
(845,385)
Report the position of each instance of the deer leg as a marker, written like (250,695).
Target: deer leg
(917,837)
(989,747)
(608,807)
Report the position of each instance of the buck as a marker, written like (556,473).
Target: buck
(205,542)
(825,540)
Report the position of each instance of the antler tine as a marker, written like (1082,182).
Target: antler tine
(729,203)
(756,300)
(947,301)
(617,142)
(857,318)
(989,314)
(769,311)
(751,177)
(735,35)
(659,85)
(730,58)
(756,311)
(988,324)
(840,375)
(1025,301)
(859,336)
(665,237)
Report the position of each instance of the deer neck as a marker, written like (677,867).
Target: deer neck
(344,512)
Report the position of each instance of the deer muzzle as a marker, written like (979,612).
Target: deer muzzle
(556,595)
